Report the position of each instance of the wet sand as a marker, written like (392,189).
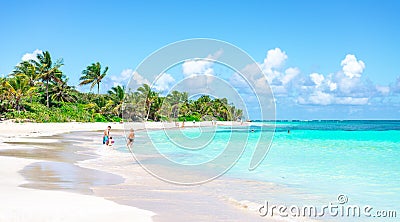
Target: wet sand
(41,182)
(59,170)
(66,177)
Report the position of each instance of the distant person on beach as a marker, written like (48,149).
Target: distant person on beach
(106,135)
(131,137)
(194,122)
(183,123)
(111,141)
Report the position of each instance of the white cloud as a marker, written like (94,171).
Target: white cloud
(345,87)
(290,74)
(275,58)
(269,74)
(140,80)
(317,78)
(317,98)
(351,67)
(31,56)
(199,73)
(383,90)
(196,67)
(137,80)
(123,78)
(163,82)
(200,66)
(323,98)
(126,75)
(332,85)
(273,63)
(279,90)
(351,101)
(273,73)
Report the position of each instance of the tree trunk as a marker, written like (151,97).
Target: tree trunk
(47,93)
(148,112)
(98,88)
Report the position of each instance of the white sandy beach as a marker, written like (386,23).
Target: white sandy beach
(22,204)
(10,131)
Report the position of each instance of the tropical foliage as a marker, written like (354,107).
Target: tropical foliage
(93,75)
(37,90)
(146,104)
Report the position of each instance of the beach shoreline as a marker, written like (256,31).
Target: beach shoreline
(23,203)
(35,132)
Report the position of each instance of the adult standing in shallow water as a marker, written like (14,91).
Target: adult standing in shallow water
(131,137)
(106,135)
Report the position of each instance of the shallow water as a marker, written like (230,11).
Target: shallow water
(313,164)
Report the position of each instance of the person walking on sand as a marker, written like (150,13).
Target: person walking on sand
(106,135)
(131,137)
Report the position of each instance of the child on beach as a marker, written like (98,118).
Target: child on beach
(111,141)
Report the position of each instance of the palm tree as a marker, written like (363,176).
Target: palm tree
(27,70)
(149,96)
(185,109)
(156,107)
(48,71)
(3,89)
(134,108)
(62,92)
(117,95)
(3,95)
(223,112)
(16,89)
(175,100)
(93,75)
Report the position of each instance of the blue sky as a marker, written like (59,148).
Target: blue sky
(313,38)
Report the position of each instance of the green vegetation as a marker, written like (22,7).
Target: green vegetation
(93,75)
(38,91)
(146,104)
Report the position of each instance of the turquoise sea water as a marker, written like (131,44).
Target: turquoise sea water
(323,159)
